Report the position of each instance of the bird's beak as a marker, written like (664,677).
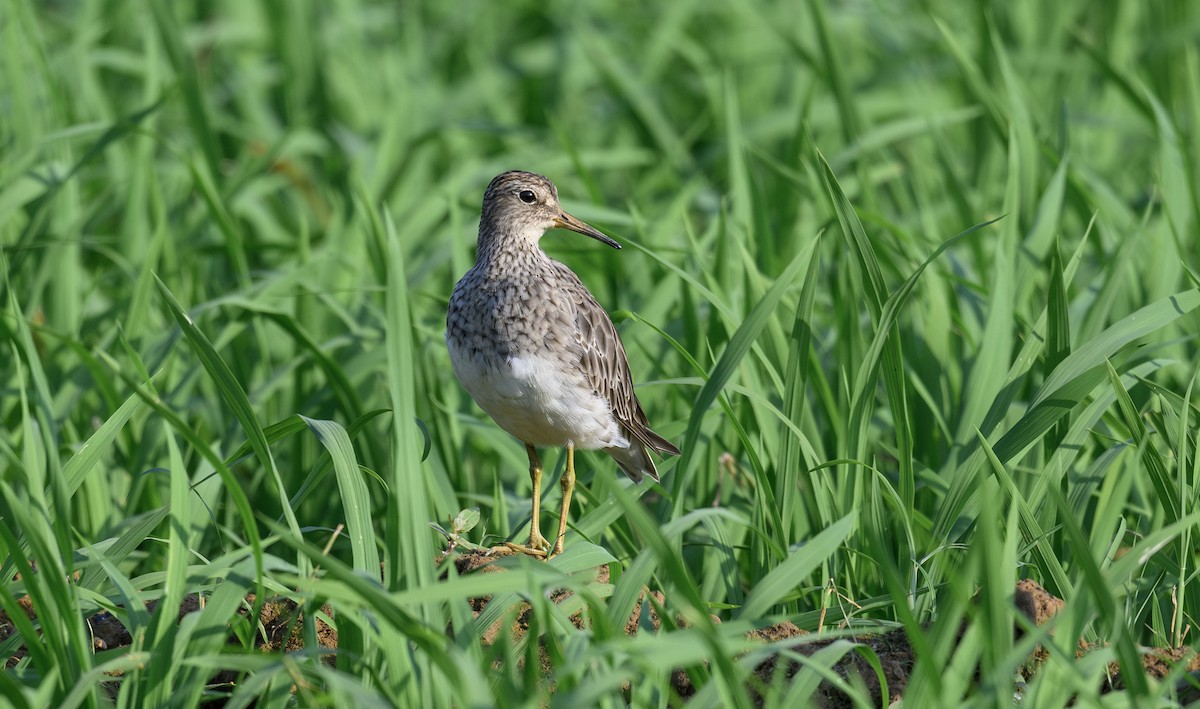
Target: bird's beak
(566,221)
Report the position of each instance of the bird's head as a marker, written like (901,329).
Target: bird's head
(523,205)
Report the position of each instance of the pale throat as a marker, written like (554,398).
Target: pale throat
(521,245)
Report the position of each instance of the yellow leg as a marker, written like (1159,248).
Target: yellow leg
(568,485)
(537,543)
(536,540)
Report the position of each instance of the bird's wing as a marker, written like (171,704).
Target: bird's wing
(603,360)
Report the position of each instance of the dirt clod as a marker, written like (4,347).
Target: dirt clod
(1035,602)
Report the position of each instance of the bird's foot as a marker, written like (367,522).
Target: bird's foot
(510,548)
(537,541)
(538,547)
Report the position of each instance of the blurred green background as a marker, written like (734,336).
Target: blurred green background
(217,216)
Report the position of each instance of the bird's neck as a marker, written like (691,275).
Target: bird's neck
(496,250)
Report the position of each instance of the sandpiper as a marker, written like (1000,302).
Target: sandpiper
(537,352)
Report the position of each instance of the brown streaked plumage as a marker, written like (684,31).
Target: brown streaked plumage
(537,352)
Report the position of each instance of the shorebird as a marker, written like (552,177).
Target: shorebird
(536,351)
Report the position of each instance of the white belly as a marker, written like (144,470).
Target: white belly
(534,399)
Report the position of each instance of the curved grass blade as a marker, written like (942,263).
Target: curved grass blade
(356,498)
(737,348)
(783,579)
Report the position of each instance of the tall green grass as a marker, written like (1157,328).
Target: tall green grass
(912,284)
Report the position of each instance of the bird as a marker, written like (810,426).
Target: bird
(537,353)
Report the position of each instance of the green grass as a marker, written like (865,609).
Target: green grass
(913,285)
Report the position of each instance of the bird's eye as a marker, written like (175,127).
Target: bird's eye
(527,196)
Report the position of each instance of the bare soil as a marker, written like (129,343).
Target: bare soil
(280,619)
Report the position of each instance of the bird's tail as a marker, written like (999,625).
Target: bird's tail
(636,461)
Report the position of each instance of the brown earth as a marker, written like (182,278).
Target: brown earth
(280,619)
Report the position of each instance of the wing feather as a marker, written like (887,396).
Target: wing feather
(603,361)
